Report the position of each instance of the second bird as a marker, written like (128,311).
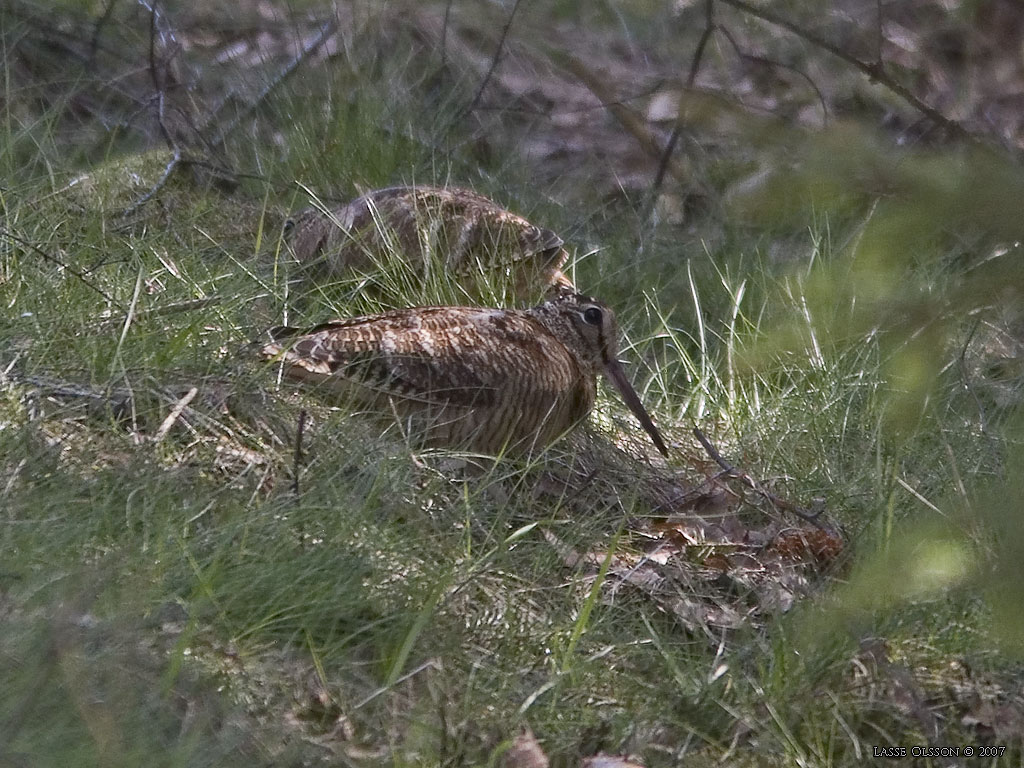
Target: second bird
(485,380)
(474,240)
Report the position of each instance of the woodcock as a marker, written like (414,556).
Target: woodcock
(486,380)
(459,231)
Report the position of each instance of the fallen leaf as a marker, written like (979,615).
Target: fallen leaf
(525,752)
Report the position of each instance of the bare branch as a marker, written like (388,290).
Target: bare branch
(494,61)
(152,50)
(174,162)
(744,56)
(97,30)
(626,116)
(777,501)
(307,50)
(297,463)
(875,71)
(175,414)
(54,260)
(698,54)
(444,33)
(691,78)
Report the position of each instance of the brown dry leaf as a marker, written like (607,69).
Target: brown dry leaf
(676,533)
(698,530)
(525,752)
(717,561)
(1001,721)
(808,545)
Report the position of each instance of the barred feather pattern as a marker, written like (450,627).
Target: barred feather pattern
(469,234)
(487,380)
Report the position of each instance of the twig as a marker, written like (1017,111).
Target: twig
(166,32)
(59,388)
(297,464)
(691,78)
(94,42)
(152,50)
(744,56)
(54,260)
(174,162)
(444,33)
(428,664)
(180,306)
(750,482)
(174,415)
(982,421)
(158,88)
(117,402)
(698,54)
(106,318)
(494,61)
(325,32)
(626,116)
(879,38)
(875,71)
(160,99)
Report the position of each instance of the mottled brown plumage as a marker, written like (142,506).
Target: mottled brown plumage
(487,380)
(454,229)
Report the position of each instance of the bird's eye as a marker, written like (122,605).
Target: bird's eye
(593,316)
(289,225)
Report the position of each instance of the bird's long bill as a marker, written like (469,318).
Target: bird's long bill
(617,376)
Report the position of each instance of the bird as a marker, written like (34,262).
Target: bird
(488,380)
(469,236)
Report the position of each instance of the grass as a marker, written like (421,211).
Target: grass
(168,598)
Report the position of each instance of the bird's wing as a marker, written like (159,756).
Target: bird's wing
(455,355)
(469,224)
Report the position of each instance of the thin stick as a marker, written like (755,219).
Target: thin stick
(54,260)
(174,415)
(494,61)
(158,88)
(297,464)
(627,117)
(744,56)
(326,31)
(750,482)
(444,34)
(58,388)
(428,664)
(94,42)
(174,162)
(152,49)
(691,78)
(875,70)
